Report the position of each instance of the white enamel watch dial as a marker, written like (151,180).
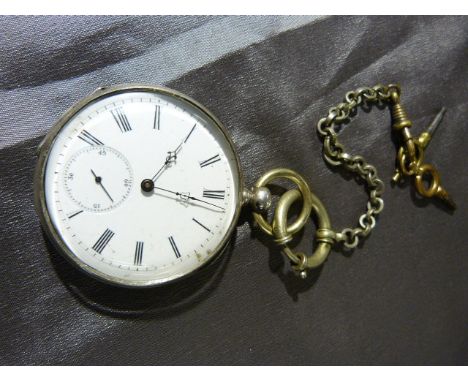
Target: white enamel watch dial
(138,185)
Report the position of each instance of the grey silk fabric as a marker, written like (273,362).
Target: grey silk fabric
(400,298)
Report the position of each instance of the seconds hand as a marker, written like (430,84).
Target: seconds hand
(189,197)
(98,180)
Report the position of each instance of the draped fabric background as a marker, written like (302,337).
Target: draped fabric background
(401,298)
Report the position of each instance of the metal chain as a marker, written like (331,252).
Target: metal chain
(335,154)
(410,163)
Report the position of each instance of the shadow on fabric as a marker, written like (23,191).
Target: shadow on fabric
(148,303)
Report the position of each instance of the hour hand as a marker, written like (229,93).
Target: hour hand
(172,155)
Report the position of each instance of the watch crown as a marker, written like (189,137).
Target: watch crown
(259,198)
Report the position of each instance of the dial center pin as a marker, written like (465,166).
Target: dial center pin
(147,185)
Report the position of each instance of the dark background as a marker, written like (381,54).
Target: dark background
(401,298)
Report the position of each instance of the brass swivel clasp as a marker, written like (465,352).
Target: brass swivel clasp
(410,156)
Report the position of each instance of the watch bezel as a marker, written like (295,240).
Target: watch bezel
(39,184)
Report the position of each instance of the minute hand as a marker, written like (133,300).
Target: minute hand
(189,197)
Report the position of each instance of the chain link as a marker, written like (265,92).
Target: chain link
(336,155)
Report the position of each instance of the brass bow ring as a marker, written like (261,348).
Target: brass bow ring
(283,233)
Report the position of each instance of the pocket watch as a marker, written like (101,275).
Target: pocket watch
(138,185)
(141,185)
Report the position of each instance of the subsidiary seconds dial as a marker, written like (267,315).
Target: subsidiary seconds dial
(98,178)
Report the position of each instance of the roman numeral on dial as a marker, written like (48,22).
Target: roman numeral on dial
(89,138)
(174,246)
(201,225)
(209,161)
(138,253)
(213,194)
(121,120)
(103,241)
(74,214)
(157,117)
